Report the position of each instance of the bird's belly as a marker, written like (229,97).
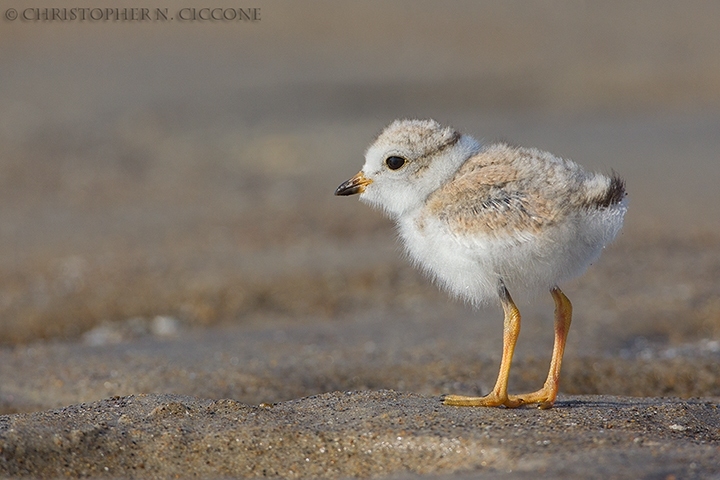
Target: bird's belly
(472,266)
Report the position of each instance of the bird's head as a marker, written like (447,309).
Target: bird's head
(408,161)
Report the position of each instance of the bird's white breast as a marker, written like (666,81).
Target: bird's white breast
(464,270)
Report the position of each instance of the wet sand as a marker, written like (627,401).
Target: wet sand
(181,294)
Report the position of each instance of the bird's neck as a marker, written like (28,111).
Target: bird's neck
(454,158)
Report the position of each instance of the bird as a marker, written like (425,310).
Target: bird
(484,220)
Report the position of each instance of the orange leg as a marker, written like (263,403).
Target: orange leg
(547,394)
(499,395)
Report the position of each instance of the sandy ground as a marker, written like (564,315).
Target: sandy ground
(169,239)
(368,434)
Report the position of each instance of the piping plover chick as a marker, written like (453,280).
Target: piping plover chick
(485,220)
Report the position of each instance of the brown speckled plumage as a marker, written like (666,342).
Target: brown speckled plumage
(504,189)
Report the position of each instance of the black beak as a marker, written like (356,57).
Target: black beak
(355,185)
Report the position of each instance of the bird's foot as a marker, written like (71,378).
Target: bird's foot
(545,398)
(490,400)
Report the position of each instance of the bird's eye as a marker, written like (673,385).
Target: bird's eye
(394,162)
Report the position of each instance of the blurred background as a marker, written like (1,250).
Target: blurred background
(166,175)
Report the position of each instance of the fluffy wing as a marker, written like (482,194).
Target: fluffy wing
(491,202)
